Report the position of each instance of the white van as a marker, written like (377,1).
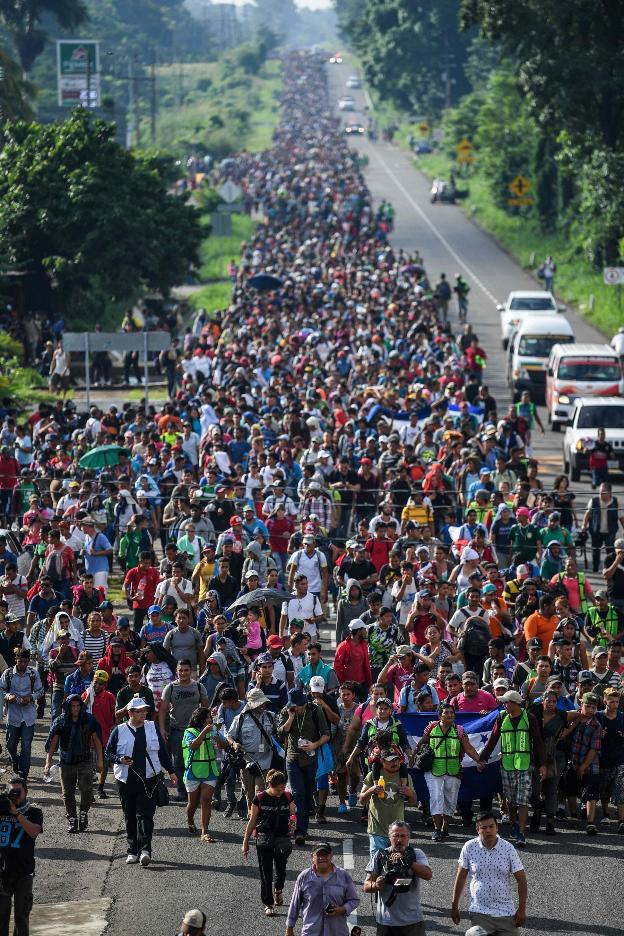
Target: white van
(579,370)
(529,349)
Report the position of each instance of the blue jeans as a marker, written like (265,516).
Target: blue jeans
(377,842)
(302,783)
(56,707)
(15,734)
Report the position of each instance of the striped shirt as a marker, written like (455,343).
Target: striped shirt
(95,645)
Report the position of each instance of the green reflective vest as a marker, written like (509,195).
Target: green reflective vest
(447,752)
(610,623)
(515,743)
(372,730)
(582,594)
(200,763)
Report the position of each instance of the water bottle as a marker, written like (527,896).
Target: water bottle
(49,777)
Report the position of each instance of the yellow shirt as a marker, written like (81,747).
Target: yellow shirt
(205,571)
(418,513)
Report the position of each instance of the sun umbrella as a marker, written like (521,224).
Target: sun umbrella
(264,281)
(259,596)
(103,457)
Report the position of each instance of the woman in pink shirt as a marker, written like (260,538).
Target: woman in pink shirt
(398,670)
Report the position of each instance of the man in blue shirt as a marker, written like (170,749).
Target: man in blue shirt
(96,549)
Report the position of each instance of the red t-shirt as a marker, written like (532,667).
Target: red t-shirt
(138,580)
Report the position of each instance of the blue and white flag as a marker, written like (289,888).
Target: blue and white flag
(474,784)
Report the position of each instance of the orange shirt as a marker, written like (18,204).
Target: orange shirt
(536,625)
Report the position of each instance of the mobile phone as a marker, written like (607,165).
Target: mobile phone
(330,908)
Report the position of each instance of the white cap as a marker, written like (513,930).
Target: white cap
(476,931)
(317,684)
(357,624)
(136,703)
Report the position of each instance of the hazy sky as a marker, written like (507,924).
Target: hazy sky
(311,4)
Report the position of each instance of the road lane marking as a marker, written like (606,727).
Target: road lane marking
(436,230)
(348,861)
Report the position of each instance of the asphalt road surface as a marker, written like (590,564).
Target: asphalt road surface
(83,883)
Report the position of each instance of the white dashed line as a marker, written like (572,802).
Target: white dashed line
(348,862)
(436,231)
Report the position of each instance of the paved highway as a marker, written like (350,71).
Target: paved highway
(573,881)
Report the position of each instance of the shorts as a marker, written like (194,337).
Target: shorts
(191,784)
(586,788)
(408,929)
(612,784)
(494,924)
(517,786)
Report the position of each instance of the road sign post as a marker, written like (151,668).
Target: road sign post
(230,192)
(88,342)
(520,186)
(78,72)
(613,276)
(465,152)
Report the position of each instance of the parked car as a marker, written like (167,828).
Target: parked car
(346,103)
(353,82)
(588,415)
(580,370)
(524,302)
(353,129)
(529,349)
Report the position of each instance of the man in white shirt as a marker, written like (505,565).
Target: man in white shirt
(303,606)
(311,562)
(490,861)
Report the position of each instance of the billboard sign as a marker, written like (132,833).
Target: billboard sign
(78,72)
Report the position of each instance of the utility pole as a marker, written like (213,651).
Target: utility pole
(153,96)
(88,76)
(130,120)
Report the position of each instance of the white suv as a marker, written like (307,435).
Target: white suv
(523,302)
(589,415)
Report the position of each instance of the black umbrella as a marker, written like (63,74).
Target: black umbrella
(264,281)
(260,596)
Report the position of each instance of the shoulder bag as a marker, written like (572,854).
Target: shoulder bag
(159,790)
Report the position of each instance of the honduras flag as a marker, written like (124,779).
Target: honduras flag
(474,784)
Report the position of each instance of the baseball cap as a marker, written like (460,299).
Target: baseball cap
(469,676)
(357,624)
(403,650)
(235,519)
(599,651)
(535,643)
(251,573)
(554,681)
(523,512)
(389,754)
(489,589)
(154,609)
(308,538)
(601,593)
(322,847)
(522,571)
(101,674)
(619,543)
(275,641)
(501,683)
(585,676)
(512,696)
(195,918)
(590,698)
(317,684)
(136,703)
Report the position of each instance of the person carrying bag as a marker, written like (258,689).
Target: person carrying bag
(272,820)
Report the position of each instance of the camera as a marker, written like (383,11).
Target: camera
(5,802)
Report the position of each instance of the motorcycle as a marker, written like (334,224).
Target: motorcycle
(442,191)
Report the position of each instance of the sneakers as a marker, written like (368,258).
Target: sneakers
(83,821)
(436,835)
(321,818)
(102,794)
(300,839)
(353,800)
(550,828)
(515,831)
(561,813)
(145,859)
(72,826)
(217,804)
(242,812)
(520,840)
(132,859)
(343,808)
(229,811)
(444,833)
(590,829)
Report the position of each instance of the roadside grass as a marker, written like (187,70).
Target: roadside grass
(216,252)
(203,109)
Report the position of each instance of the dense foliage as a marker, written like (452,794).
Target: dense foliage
(539,94)
(59,216)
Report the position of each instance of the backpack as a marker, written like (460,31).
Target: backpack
(31,672)
(475,639)
(297,556)
(53,567)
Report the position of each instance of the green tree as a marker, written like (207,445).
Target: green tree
(412,51)
(88,217)
(23,21)
(15,93)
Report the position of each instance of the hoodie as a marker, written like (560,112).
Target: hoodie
(260,560)
(212,683)
(349,610)
(74,736)
(551,566)
(116,671)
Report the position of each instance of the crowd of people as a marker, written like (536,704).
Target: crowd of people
(331,452)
